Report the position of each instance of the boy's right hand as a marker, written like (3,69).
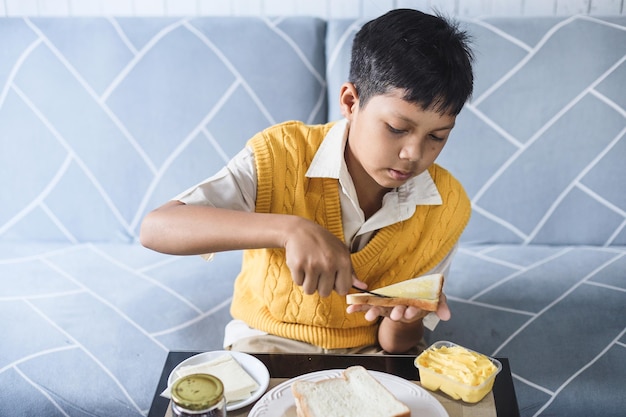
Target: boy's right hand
(317,259)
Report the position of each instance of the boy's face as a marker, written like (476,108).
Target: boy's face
(391,140)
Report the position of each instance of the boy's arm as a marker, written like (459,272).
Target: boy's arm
(180,229)
(403,328)
(318,260)
(397,337)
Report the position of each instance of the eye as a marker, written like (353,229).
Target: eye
(437,138)
(394,130)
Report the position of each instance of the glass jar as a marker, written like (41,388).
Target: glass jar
(198,395)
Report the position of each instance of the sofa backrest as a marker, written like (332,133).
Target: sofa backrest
(541,147)
(104,119)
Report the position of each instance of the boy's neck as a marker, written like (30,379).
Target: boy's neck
(369,193)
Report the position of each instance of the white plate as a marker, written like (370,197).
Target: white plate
(249,363)
(279,401)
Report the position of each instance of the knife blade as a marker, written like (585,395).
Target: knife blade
(371,292)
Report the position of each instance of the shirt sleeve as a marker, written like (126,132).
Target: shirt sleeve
(233,187)
(431,320)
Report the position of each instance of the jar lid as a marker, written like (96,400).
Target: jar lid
(197,392)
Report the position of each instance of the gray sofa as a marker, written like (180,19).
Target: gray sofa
(102,120)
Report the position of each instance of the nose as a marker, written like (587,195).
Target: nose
(411,150)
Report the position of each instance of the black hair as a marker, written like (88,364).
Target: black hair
(426,56)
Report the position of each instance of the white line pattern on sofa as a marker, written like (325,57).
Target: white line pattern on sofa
(102,119)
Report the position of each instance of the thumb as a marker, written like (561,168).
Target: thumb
(356,282)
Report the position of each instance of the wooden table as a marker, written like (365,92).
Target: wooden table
(502,402)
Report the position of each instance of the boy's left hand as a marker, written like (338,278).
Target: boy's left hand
(404,314)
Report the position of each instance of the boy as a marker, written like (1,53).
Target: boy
(319,209)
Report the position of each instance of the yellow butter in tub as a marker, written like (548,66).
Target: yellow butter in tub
(459,372)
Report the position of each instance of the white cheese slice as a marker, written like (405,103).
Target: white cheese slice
(238,384)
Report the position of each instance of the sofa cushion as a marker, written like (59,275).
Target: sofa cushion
(103,119)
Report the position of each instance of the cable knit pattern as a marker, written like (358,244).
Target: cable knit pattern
(265,295)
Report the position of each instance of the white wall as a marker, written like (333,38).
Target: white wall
(322,8)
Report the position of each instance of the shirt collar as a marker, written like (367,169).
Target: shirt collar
(328,162)
(328,159)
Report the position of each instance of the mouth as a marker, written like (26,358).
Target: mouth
(399,175)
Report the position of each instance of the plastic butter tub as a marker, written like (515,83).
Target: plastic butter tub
(459,372)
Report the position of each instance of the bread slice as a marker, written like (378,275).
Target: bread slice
(421,292)
(356,394)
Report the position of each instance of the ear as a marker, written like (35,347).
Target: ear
(348,100)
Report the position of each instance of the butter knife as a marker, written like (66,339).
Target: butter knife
(371,292)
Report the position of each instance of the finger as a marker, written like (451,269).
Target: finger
(412,313)
(372,314)
(325,285)
(356,308)
(309,286)
(375,312)
(298,277)
(343,281)
(397,313)
(443,311)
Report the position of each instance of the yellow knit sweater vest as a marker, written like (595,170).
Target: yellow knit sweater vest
(265,296)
